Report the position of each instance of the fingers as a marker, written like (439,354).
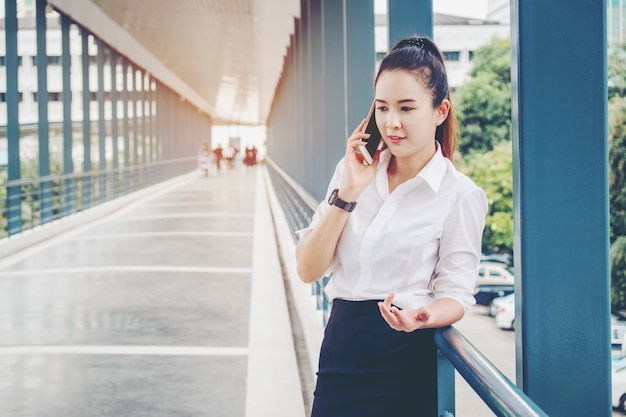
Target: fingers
(403,320)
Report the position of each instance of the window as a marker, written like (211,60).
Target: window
(50,60)
(52,96)
(452,55)
(471,55)
(3,97)
(3,61)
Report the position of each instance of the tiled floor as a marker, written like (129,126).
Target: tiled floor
(147,312)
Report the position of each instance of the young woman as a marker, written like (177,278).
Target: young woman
(402,239)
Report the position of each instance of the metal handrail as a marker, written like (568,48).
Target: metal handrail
(503,397)
(27,203)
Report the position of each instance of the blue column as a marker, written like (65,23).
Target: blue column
(45,190)
(87,194)
(69,195)
(114,127)
(319,163)
(335,121)
(409,17)
(14,197)
(102,162)
(561,207)
(360,60)
(125,123)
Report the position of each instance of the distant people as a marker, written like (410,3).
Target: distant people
(205,160)
(229,154)
(250,156)
(219,155)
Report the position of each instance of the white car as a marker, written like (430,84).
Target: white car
(505,318)
(494,273)
(618,376)
(494,307)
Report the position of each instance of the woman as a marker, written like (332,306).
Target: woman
(405,259)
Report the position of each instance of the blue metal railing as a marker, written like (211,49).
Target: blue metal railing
(503,397)
(455,352)
(30,203)
(298,208)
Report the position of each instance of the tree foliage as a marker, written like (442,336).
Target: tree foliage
(617,173)
(484,103)
(618,274)
(493,172)
(617,166)
(484,109)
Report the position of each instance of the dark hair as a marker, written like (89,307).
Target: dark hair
(421,57)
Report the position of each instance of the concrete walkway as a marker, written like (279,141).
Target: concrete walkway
(173,305)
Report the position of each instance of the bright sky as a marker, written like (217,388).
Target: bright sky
(465,8)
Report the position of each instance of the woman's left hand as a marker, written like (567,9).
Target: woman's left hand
(406,320)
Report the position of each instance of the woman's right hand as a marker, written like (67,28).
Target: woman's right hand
(357,173)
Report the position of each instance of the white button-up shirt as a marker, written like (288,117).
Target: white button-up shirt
(422,241)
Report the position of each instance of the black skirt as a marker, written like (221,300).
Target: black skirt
(368,369)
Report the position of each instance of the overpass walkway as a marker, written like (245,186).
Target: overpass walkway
(173,305)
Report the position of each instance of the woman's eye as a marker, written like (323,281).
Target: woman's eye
(406,108)
(381,108)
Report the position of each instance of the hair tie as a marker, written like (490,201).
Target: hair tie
(416,42)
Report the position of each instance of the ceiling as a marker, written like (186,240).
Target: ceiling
(225,56)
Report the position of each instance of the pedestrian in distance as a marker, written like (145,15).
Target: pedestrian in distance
(402,239)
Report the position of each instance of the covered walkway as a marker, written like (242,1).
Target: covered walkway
(171,306)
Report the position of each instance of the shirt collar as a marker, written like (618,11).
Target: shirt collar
(432,173)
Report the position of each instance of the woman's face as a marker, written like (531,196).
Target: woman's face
(405,116)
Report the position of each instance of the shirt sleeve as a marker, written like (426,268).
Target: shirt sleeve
(460,249)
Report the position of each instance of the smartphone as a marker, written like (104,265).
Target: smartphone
(374,141)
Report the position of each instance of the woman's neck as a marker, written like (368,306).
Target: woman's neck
(401,170)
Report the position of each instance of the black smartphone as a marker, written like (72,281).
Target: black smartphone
(373,142)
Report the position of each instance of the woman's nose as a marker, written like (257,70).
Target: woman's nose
(393,120)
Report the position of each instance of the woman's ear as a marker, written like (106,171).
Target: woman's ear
(442,111)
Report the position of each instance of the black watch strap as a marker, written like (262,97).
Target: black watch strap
(334,200)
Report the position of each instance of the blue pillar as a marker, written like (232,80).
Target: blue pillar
(102,162)
(320,165)
(87,194)
(45,187)
(561,210)
(69,195)
(125,124)
(360,60)
(14,195)
(114,127)
(409,17)
(336,132)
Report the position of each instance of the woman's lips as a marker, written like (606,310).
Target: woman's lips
(395,139)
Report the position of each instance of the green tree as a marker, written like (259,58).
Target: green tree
(493,172)
(484,103)
(617,71)
(617,166)
(618,273)
(617,173)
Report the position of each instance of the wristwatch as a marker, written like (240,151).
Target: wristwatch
(334,200)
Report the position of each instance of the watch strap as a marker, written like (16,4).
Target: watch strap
(334,200)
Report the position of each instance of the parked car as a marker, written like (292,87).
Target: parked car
(618,329)
(504,258)
(494,273)
(505,319)
(494,307)
(618,377)
(485,294)
(495,279)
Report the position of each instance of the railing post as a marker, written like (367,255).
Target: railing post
(445,386)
